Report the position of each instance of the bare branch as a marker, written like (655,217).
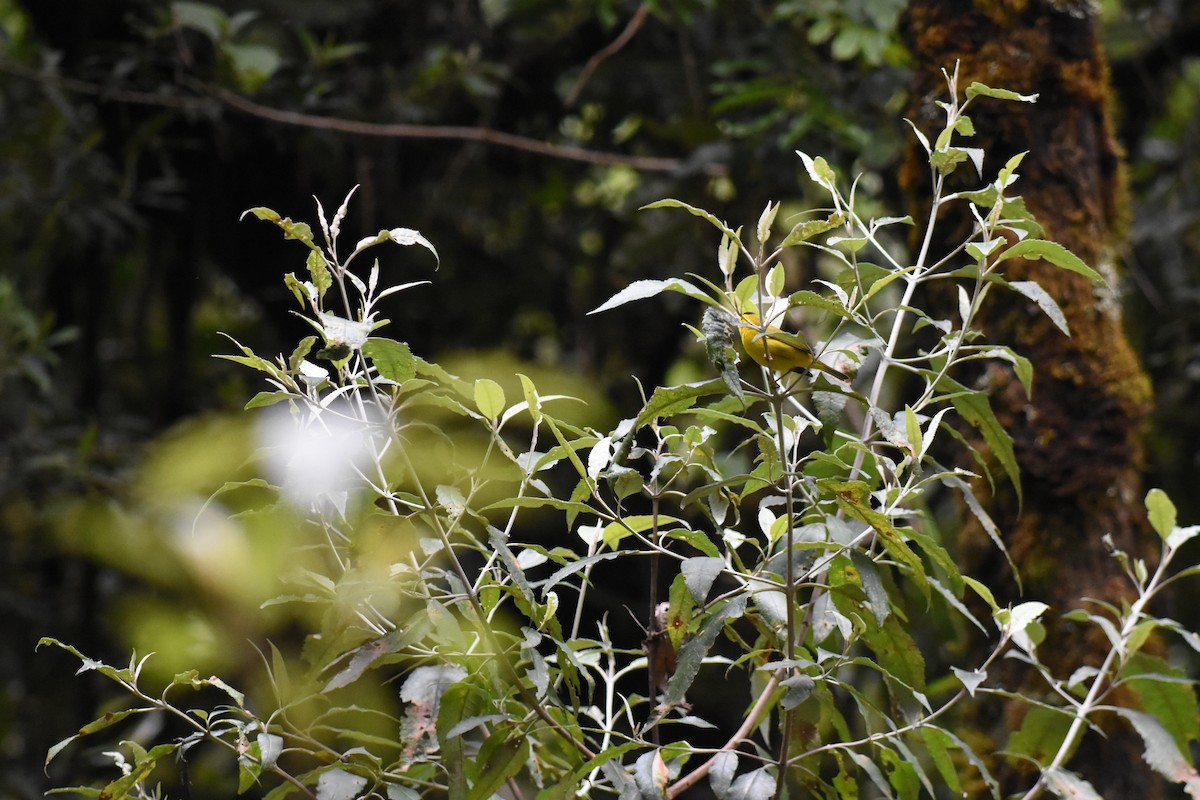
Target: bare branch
(635,22)
(237,102)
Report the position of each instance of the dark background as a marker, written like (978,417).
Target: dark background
(124,170)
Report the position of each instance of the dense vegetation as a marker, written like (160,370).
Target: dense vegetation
(136,140)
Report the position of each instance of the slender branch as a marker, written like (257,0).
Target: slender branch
(631,28)
(750,723)
(1102,681)
(223,97)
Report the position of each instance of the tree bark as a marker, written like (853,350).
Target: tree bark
(1078,439)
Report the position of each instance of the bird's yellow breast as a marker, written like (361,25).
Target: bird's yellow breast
(768,350)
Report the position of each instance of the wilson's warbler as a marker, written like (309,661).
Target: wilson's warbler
(774,349)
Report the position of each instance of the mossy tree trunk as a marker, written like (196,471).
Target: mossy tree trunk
(1078,439)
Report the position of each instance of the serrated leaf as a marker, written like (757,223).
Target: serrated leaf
(946,161)
(1163,691)
(1055,253)
(1041,734)
(803,231)
(692,654)
(1048,305)
(261,212)
(668,400)
(318,269)
(896,652)
(499,764)
(976,409)
(852,497)
(977,88)
(1070,786)
(1161,753)
(1022,367)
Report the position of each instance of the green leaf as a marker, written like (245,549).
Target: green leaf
(393,359)
(614,532)
(1022,367)
(977,88)
(318,268)
(896,652)
(1162,690)
(111,718)
(813,300)
(692,654)
(803,231)
(697,539)
(565,790)
(458,702)
(643,289)
(819,171)
(946,161)
(489,398)
(252,361)
(300,231)
(765,221)
(1055,253)
(532,402)
(1069,786)
(938,745)
(694,211)
(1161,512)
(912,430)
(267,399)
(500,762)
(1161,753)
(699,574)
(853,497)
(1034,291)
(338,784)
(976,409)
(669,400)
(203,17)
(1041,734)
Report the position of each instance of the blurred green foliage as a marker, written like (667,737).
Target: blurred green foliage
(122,174)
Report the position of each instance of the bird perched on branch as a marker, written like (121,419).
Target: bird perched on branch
(778,350)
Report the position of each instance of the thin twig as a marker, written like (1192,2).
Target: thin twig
(223,97)
(695,776)
(635,22)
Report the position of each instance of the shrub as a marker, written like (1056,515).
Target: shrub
(794,569)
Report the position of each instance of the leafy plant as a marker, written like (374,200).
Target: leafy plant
(783,518)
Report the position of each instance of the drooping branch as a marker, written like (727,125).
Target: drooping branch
(219,96)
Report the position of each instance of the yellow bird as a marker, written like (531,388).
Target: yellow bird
(777,350)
